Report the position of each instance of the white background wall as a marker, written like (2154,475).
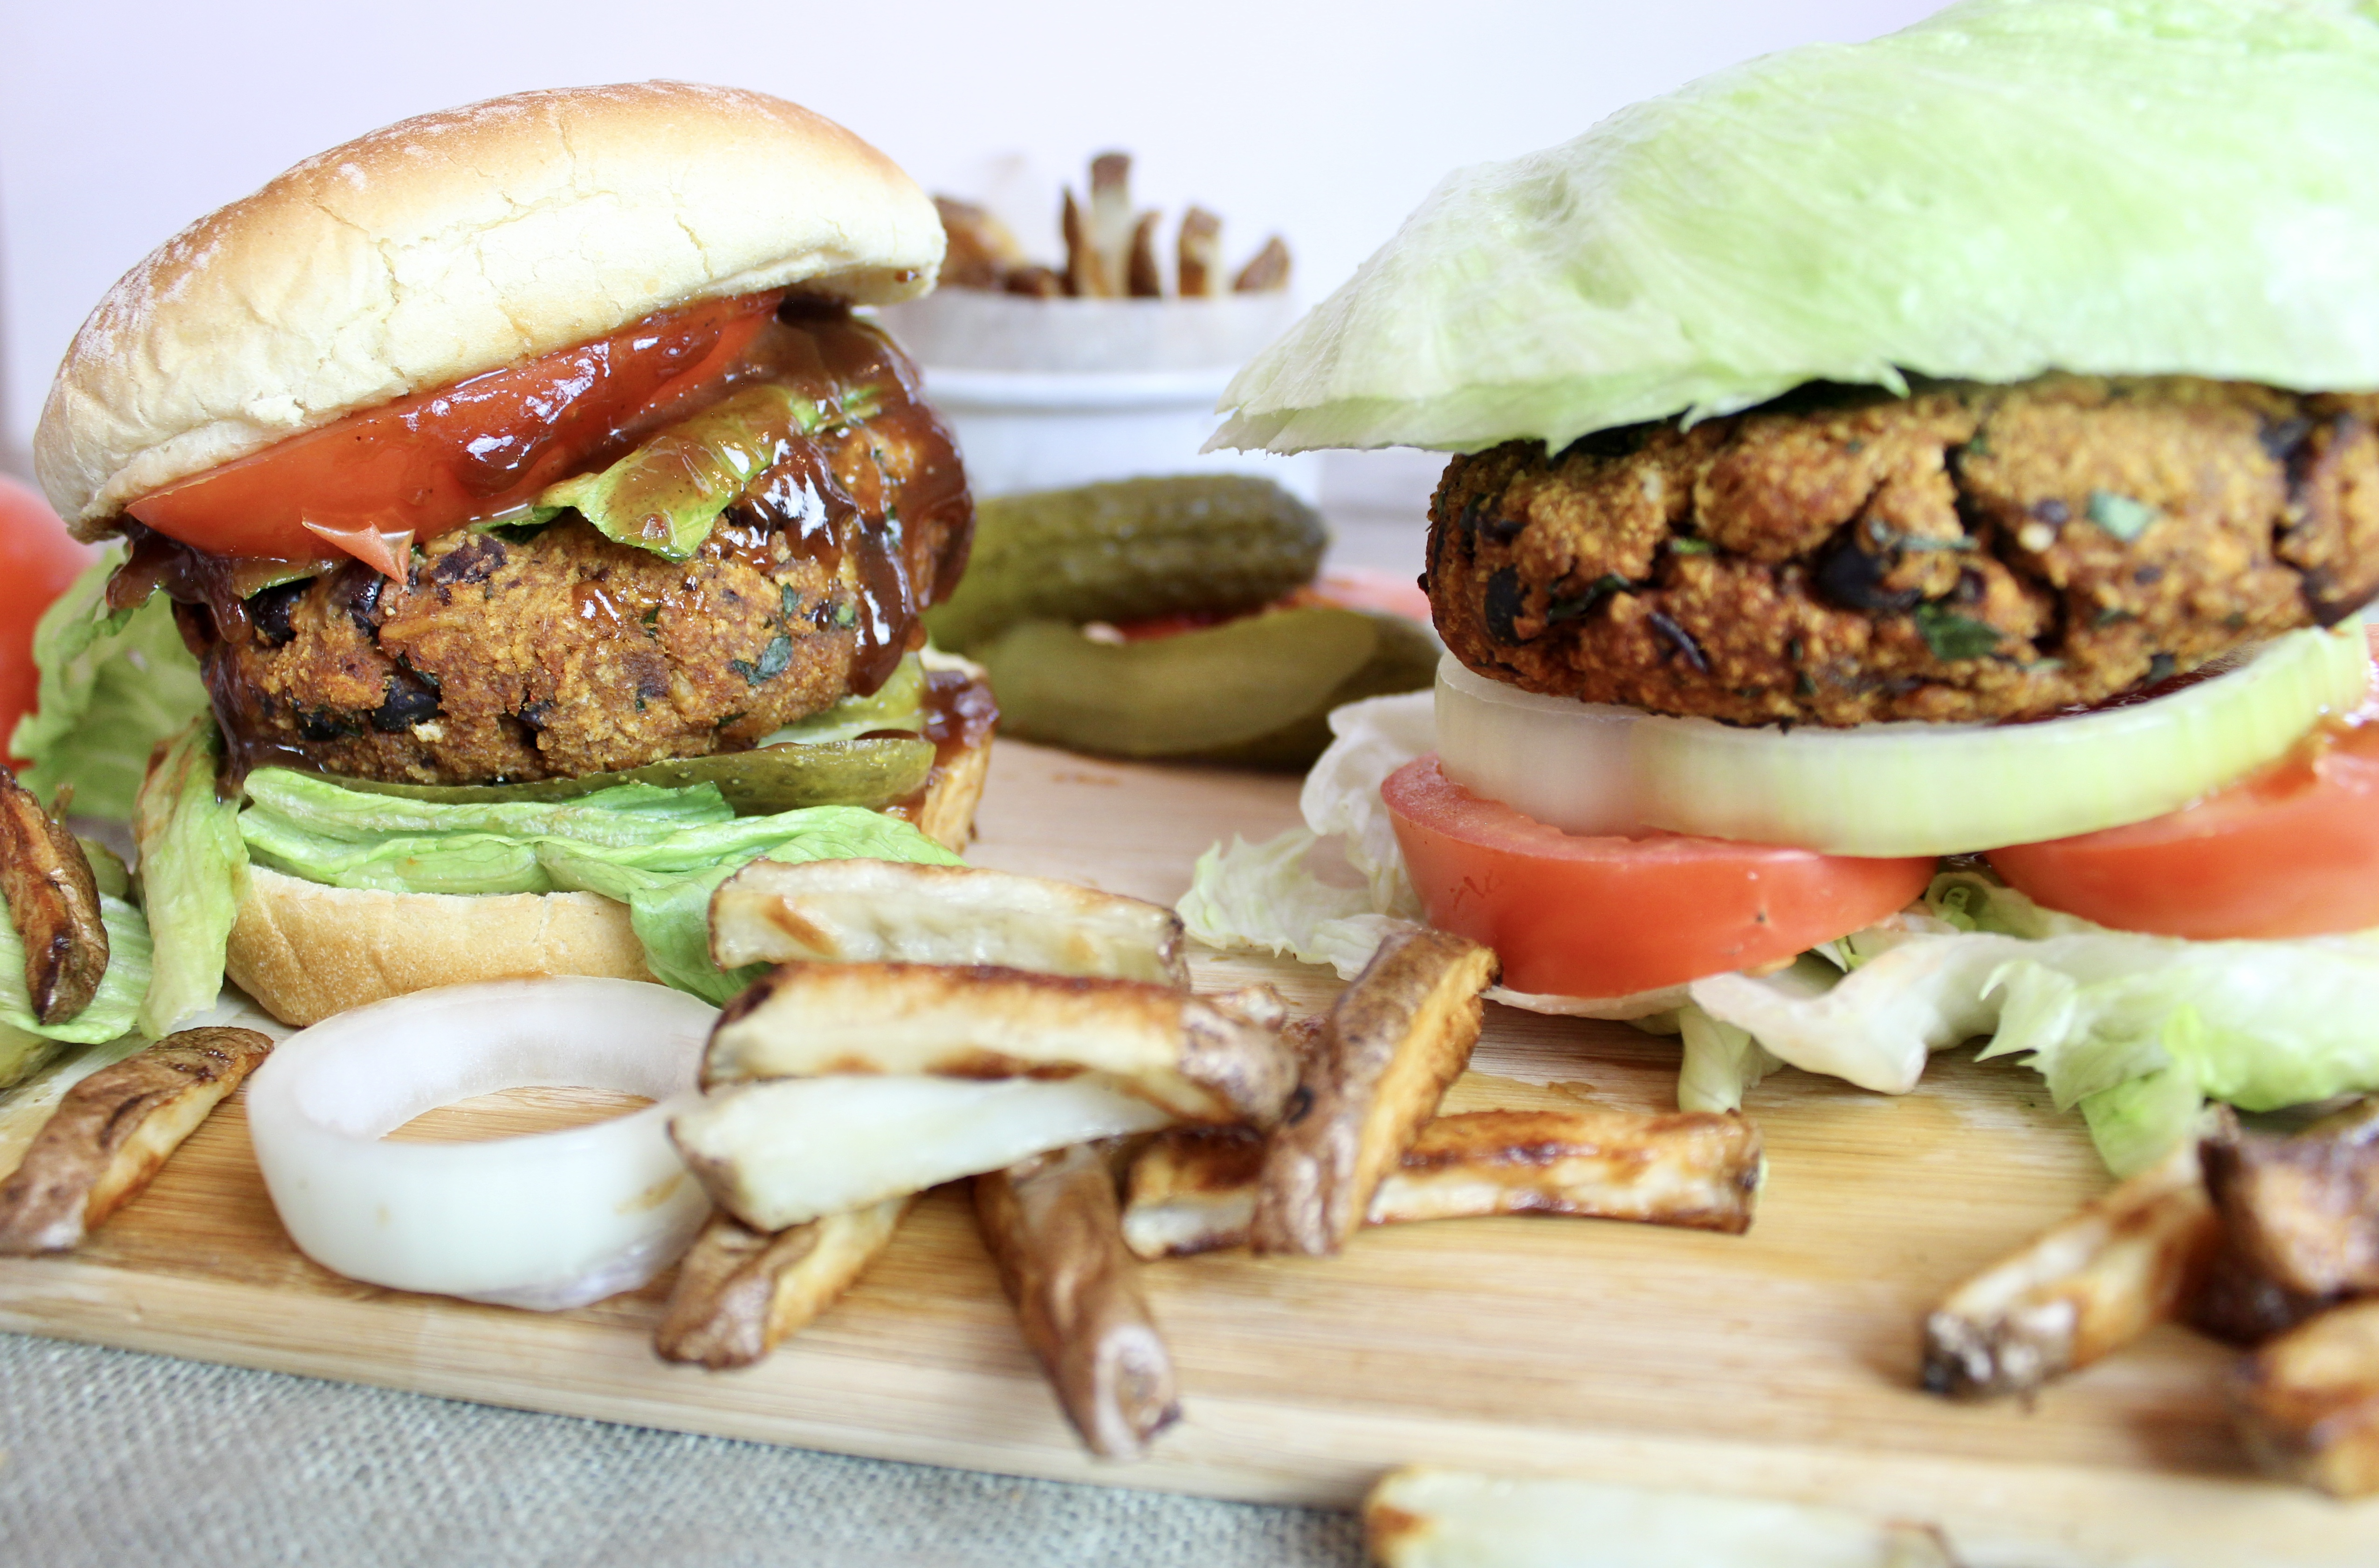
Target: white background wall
(121,122)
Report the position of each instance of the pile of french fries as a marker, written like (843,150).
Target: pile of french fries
(1110,248)
(2264,1240)
(924,1024)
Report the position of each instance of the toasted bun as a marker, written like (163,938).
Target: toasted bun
(456,243)
(305,951)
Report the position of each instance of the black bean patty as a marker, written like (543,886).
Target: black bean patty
(1965,553)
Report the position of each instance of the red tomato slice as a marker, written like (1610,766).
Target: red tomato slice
(2292,850)
(38,559)
(437,460)
(1606,917)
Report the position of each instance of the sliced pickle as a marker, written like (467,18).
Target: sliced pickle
(1256,691)
(1128,550)
(874,772)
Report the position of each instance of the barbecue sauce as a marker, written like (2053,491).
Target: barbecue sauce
(876,498)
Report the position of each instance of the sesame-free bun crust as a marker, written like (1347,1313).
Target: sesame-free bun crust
(456,243)
(305,951)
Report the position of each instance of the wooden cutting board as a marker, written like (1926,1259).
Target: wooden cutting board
(1781,1363)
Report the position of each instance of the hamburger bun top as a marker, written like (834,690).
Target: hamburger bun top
(2118,188)
(456,243)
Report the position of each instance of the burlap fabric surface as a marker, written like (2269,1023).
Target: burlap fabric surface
(116,1460)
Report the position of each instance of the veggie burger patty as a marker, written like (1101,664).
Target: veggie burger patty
(550,651)
(1966,552)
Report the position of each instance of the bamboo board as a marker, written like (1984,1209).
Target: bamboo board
(1780,1363)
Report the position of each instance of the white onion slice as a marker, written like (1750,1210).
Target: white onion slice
(549,1221)
(1890,789)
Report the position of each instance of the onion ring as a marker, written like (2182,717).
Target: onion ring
(1890,789)
(547,1221)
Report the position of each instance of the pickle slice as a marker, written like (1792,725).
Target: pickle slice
(1128,550)
(873,772)
(1256,691)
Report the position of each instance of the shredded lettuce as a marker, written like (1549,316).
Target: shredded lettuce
(2009,186)
(112,686)
(193,868)
(1280,896)
(1721,1063)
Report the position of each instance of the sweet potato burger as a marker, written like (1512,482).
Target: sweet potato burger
(1963,444)
(549,535)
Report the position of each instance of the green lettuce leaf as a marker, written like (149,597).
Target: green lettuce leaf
(193,869)
(665,495)
(2118,186)
(661,852)
(112,686)
(628,813)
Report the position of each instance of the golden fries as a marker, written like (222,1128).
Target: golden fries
(2089,1284)
(2304,1211)
(1198,255)
(1393,1041)
(740,1292)
(2307,1404)
(1423,1518)
(1266,270)
(115,1130)
(1194,1189)
(1198,1058)
(861,911)
(1051,1225)
(53,902)
(1110,249)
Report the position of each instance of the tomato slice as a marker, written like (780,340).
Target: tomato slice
(1579,916)
(437,460)
(2292,850)
(38,559)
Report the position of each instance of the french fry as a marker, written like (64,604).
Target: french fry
(788,1150)
(1038,282)
(1050,1223)
(115,1130)
(2307,1404)
(1199,254)
(979,249)
(2090,1283)
(1194,1189)
(741,1293)
(1266,270)
(2239,1304)
(1422,1517)
(1109,222)
(1140,278)
(873,911)
(1695,1170)
(53,902)
(1205,1059)
(1083,279)
(2303,1211)
(1393,1041)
